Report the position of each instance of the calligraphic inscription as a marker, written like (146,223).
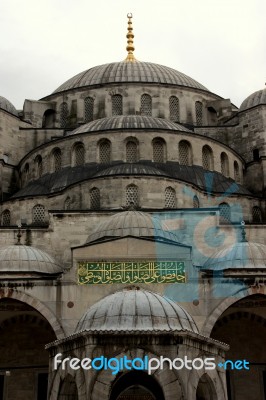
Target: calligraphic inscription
(131,272)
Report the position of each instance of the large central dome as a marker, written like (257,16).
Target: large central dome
(129,72)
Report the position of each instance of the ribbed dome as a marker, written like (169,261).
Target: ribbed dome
(7,106)
(254,99)
(27,259)
(238,255)
(131,223)
(129,122)
(132,310)
(125,72)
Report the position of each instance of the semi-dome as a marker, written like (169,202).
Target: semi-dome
(238,256)
(132,310)
(131,169)
(132,223)
(27,259)
(129,122)
(129,72)
(255,99)
(7,106)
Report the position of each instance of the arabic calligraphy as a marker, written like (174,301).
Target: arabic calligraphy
(131,272)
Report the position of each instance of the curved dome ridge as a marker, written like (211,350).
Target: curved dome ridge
(134,309)
(132,223)
(27,259)
(255,99)
(123,72)
(129,122)
(238,255)
(6,105)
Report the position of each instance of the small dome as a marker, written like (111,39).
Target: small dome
(238,255)
(132,223)
(7,106)
(127,72)
(132,310)
(129,122)
(27,259)
(254,99)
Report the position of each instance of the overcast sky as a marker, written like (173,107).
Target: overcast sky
(220,43)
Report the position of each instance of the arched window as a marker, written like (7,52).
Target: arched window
(88,109)
(131,151)
(63,115)
(185,153)
(169,198)
(95,199)
(132,195)
(146,104)
(38,166)
(225,213)
(256,155)
(256,215)
(38,214)
(48,119)
(196,202)
(199,113)
(6,218)
(56,160)
(105,151)
(26,173)
(159,150)
(236,172)
(174,108)
(207,158)
(224,164)
(117,104)
(67,203)
(79,154)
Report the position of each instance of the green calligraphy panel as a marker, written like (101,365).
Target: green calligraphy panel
(91,273)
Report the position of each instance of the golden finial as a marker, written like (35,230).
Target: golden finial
(130,42)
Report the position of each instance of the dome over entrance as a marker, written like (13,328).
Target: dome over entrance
(129,72)
(132,223)
(7,106)
(255,99)
(132,310)
(238,255)
(27,259)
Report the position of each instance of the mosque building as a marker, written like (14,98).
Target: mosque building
(132,225)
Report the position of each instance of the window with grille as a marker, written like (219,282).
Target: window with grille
(63,115)
(89,109)
(236,171)
(95,199)
(38,214)
(256,215)
(224,164)
(170,198)
(184,153)
(57,160)
(174,108)
(225,213)
(38,166)
(207,158)
(146,105)
(79,155)
(158,151)
(105,152)
(131,151)
(195,202)
(67,203)
(117,104)
(132,195)
(199,113)
(6,218)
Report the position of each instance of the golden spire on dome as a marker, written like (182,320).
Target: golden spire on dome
(130,42)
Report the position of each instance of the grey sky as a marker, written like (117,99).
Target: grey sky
(43,43)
